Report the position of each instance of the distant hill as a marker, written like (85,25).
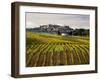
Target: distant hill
(58,29)
(50,28)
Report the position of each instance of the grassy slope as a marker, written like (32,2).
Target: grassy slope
(50,38)
(51,49)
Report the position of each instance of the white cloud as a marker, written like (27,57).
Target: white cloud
(73,20)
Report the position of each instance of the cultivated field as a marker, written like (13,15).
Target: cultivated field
(44,49)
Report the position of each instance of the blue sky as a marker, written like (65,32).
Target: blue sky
(73,20)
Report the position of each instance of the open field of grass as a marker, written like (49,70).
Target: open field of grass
(44,49)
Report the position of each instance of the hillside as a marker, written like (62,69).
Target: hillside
(56,29)
(44,49)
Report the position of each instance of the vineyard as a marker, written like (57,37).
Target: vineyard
(43,49)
